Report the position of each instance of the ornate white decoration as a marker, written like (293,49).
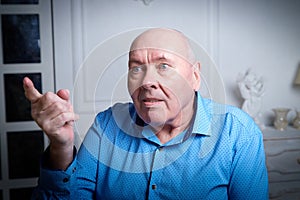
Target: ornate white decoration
(252,89)
(146,2)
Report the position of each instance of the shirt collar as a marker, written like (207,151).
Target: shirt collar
(202,119)
(150,135)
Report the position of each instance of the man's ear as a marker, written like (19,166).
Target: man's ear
(196,75)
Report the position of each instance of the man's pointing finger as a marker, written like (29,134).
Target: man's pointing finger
(31,93)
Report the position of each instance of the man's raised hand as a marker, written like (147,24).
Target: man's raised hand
(54,114)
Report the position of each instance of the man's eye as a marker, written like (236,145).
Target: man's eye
(136,69)
(163,66)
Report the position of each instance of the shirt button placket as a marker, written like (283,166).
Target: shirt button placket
(156,170)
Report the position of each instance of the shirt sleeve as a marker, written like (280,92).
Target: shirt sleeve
(249,178)
(54,183)
(78,181)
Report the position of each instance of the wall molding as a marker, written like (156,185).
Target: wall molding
(85,99)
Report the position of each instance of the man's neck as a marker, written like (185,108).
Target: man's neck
(167,133)
(170,130)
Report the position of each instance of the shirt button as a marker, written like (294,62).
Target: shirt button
(65,180)
(160,148)
(74,169)
(154,187)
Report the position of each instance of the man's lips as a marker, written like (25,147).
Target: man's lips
(151,101)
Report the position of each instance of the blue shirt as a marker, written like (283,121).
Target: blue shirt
(220,156)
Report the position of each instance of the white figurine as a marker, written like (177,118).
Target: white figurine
(252,89)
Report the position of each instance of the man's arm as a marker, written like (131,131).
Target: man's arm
(249,178)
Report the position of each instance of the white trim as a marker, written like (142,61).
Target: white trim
(43,9)
(84,101)
(213,30)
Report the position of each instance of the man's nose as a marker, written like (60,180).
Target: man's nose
(150,78)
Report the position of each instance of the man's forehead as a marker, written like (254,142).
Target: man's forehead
(152,51)
(160,39)
(154,54)
(164,40)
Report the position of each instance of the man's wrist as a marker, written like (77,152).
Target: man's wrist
(58,159)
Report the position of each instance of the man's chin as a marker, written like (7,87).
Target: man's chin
(154,121)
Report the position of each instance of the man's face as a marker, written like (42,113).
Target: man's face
(162,86)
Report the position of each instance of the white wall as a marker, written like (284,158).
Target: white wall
(261,34)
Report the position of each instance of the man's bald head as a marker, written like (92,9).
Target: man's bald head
(167,40)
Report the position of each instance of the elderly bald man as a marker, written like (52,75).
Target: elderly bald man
(170,143)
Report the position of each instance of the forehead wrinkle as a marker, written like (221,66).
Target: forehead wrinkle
(154,54)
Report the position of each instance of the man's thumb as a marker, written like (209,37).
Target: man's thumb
(64,94)
(31,93)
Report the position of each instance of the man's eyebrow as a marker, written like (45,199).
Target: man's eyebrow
(161,57)
(135,61)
